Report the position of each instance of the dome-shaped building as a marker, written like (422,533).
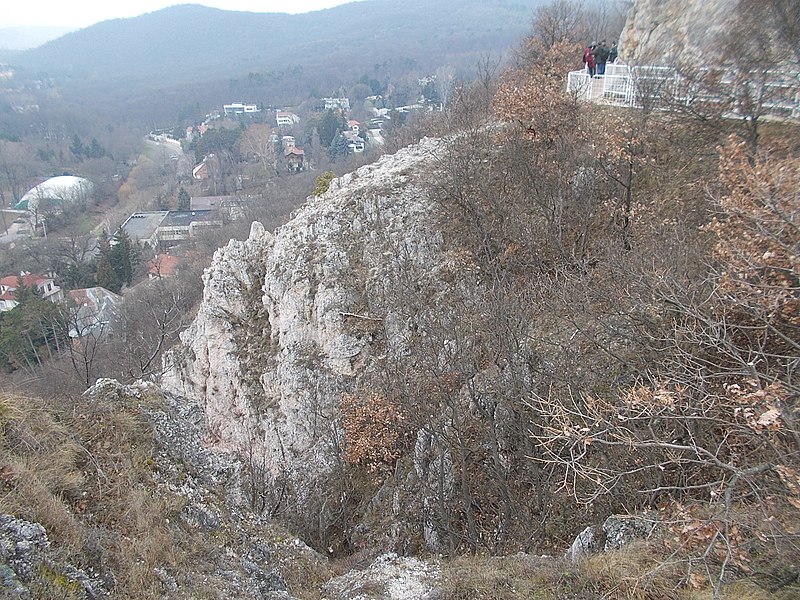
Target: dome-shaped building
(57,192)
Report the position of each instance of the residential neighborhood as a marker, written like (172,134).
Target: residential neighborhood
(111,233)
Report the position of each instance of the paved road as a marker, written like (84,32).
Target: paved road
(12,234)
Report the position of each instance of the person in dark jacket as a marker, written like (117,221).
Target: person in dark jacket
(588,59)
(613,53)
(600,54)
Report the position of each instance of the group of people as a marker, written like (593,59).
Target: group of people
(595,57)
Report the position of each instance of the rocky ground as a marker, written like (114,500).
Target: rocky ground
(219,547)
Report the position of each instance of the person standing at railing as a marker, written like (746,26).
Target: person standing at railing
(600,54)
(588,59)
(613,53)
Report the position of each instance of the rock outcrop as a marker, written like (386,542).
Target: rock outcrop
(291,321)
(389,577)
(25,555)
(616,531)
(225,550)
(676,31)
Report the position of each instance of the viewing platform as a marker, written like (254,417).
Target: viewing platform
(663,86)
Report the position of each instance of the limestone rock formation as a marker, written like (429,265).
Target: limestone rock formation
(617,531)
(26,554)
(226,550)
(676,31)
(289,322)
(389,577)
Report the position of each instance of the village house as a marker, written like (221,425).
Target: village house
(239,108)
(95,312)
(45,284)
(207,167)
(354,143)
(162,266)
(337,103)
(295,159)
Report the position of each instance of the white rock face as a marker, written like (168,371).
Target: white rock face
(389,577)
(289,322)
(676,31)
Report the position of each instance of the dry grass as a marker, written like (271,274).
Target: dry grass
(505,579)
(638,572)
(84,471)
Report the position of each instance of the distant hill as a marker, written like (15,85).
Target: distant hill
(185,42)
(24,38)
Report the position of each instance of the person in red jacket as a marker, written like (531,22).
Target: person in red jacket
(588,59)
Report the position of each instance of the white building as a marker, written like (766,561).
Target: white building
(44,283)
(286,119)
(334,103)
(354,143)
(63,190)
(239,108)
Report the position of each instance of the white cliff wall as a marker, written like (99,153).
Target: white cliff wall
(676,31)
(290,321)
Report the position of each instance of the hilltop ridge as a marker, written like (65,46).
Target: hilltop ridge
(183,41)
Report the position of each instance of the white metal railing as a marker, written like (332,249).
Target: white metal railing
(658,85)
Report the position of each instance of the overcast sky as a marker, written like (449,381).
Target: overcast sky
(82,13)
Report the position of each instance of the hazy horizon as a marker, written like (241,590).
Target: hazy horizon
(84,13)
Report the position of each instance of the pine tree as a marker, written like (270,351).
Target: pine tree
(122,257)
(76,147)
(105,276)
(184,200)
(328,128)
(340,148)
(32,332)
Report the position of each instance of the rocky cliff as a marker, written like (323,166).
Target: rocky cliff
(291,321)
(676,31)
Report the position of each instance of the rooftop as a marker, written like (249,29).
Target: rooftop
(202,203)
(28,280)
(163,265)
(142,225)
(179,218)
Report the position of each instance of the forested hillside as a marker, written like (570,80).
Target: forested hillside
(553,313)
(146,65)
(544,348)
(187,42)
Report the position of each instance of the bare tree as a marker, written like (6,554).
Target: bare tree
(18,164)
(559,21)
(257,143)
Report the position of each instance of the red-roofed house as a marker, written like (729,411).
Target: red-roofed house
(163,265)
(295,157)
(46,285)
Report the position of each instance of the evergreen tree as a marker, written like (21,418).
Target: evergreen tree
(76,147)
(95,150)
(328,128)
(122,258)
(105,276)
(33,331)
(184,200)
(340,148)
